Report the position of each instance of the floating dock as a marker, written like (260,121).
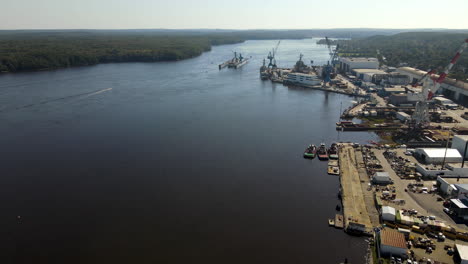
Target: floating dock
(223,65)
(236,62)
(339,223)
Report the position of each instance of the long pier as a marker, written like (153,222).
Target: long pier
(354,206)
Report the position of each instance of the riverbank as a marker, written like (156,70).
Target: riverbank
(47,51)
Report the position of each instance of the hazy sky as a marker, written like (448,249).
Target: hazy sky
(233,14)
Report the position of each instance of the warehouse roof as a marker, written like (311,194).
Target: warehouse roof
(390,237)
(462,251)
(359,59)
(374,71)
(450,81)
(462,137)
(382,174)
(395,90)
(459,203)
(388,210)
(440,152)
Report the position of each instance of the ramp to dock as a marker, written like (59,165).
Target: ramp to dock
(354,206)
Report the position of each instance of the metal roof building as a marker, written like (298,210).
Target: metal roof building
(381,177)
(459,142)
(438,155)
(388,213)
(349,63)
(462,252)
(392,243)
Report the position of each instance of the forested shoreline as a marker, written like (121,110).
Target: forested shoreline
(52,51)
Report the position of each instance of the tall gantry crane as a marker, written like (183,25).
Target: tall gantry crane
(431,85)
(271,56)
(330,67)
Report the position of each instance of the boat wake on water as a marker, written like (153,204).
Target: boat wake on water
(83,95)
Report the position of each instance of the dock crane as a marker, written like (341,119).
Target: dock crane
(330,67)
(271,56)
(431,85)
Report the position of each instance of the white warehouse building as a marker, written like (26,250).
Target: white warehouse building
(348,63)
(388,213)
(459,142)
(438,155)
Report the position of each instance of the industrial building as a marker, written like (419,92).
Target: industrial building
(449,170)
(369,75)
(453,89)
(392,243)
(347,64)
(461,255)
(396,78)
(459,207)
(438,155)
(460,142)
(388,213)
(453,187)
(381,177)
(402,116)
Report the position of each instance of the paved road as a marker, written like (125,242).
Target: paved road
(425,204)
(380,100)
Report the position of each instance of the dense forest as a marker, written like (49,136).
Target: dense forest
(422,50)
(26,52)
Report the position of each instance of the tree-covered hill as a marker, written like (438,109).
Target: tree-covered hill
(39,51)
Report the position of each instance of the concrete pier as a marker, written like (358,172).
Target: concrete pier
(354,206)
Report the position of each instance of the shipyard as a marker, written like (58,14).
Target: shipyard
(234,132)
(408,192)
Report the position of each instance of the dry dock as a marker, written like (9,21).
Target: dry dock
(354,206)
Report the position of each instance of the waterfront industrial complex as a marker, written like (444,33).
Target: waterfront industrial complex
(408,192)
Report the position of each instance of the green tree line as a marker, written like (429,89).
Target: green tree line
(29,52)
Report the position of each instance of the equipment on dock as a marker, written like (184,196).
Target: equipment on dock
(271,56)
(431,85)
(329,69)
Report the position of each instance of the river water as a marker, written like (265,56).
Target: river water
(170,163)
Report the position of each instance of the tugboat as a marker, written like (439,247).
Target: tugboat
(333,151)
(322,152)
(310,152)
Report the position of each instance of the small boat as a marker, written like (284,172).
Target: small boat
(333,170)
(310,152)
(338,207)
(322,152)
(331,222)
(333,151)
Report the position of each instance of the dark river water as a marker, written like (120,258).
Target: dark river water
(172,162)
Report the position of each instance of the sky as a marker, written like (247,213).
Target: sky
(233,14)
